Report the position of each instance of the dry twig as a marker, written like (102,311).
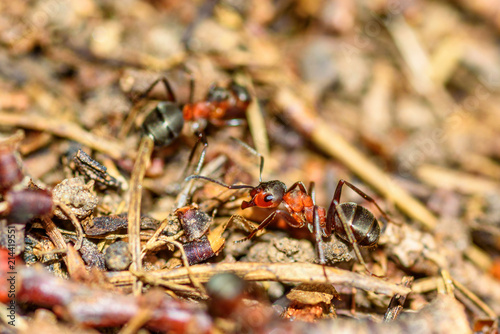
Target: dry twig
(134,212)
(283,272)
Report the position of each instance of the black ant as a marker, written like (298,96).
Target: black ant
(350,221)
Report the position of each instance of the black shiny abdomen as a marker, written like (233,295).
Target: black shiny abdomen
(364,226)
(164,123)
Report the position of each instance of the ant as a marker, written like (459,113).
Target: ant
(221,107)
(349,221)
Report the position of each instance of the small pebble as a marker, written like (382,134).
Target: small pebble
(118,256)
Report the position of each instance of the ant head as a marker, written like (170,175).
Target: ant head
(266,195)
(217,94)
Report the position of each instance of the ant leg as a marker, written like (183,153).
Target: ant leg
(320,249)
(186,190)
(347,229)
(191,83)
(283,214)
(302,188)
(317,227)
(360,193)
(203,139)
(127,124)
(319,242)
(167,85)
(335,208)
(312,191)
(262,225)
(254,152)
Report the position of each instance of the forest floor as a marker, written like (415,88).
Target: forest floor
(400,99)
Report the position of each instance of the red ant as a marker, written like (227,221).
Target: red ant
(221,106)
(350,221)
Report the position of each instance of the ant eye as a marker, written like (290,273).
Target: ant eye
(268,198)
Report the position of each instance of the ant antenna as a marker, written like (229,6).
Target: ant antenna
(254,152)
(232,186)
(191,82)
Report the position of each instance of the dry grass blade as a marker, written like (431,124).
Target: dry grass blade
(464,293)
(155,243)
(134,212)
(74,221)
(455,180)
(413,53)
(256,122)
(64,129)
(54,234)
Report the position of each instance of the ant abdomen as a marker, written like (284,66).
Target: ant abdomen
(164,123)
(363,223)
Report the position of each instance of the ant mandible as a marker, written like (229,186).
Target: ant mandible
(349,221)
